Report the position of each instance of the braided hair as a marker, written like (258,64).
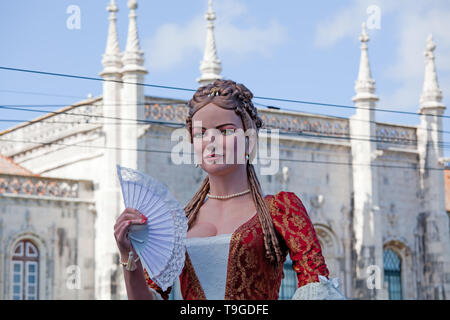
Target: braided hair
(230,95)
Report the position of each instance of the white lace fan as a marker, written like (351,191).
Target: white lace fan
(160,243)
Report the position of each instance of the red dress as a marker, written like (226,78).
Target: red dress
(249,274)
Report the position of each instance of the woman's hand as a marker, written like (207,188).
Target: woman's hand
(128,217)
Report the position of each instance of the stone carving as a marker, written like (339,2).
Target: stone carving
(169,113)
(38,186)
(309,125)
(391,216)
(401,136)
(317,201)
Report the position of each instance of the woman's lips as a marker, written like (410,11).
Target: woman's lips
(213,156)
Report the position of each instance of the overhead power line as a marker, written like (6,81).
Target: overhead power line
(377,138)
(94,78)
(42,94)
(297,101)
(191,153)
(179,103)
(91,115)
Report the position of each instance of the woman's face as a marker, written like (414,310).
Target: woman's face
(219,140)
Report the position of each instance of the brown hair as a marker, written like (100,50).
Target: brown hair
(230,95)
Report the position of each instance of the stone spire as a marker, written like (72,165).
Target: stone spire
(434,218)
(365,84)
(109,190)
(431,93)
(367,230)
(133,57)
(210,66)
(111,58)
(132,93)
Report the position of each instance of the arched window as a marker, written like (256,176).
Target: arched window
(392,274)
(332,250)
(289,282)
(25,266)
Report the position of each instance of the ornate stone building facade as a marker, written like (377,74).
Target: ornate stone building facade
(46,235)
(374,191)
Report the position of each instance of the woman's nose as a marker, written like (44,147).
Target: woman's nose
(208,143)
(209,139)
(210,136)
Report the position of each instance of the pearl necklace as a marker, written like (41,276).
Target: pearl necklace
(228,196)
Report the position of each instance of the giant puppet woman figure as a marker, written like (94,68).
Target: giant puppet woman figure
(238,238)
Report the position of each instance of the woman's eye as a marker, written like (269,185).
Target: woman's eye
(227,132)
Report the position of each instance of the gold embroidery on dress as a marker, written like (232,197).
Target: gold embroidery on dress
(250,275)
(311,252)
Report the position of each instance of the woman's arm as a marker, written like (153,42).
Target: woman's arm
(136,284)
(294,225)
(134,280)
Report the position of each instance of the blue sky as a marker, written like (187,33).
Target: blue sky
(306,50)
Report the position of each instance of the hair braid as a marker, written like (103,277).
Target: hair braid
(196,202)
(271,244)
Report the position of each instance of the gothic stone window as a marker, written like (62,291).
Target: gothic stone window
(392,274)
(289,282)
(25,266)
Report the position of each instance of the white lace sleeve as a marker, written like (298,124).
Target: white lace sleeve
(156,295)
(323,290)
